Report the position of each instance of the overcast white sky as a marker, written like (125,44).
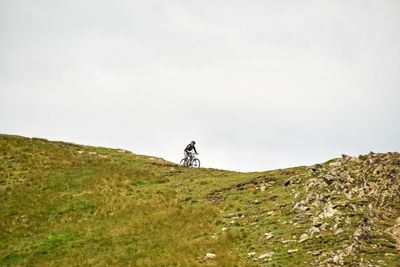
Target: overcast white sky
(258,84)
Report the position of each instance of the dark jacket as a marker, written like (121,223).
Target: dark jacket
(190,148)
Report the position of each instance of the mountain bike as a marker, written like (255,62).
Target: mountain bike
(191,161)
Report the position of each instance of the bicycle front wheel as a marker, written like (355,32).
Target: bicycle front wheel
(196,163)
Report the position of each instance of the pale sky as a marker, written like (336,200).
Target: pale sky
(258,85)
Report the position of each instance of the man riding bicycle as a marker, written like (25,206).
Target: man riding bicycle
(188,150)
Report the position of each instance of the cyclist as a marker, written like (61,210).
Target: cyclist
(189,148)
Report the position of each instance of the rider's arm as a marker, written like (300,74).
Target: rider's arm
(195,150)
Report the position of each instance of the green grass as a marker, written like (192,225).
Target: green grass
(68,205)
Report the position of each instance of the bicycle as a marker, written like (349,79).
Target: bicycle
(191,161)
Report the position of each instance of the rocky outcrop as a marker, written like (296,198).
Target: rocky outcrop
(338,190)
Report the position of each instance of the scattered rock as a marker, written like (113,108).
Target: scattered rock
(335,164)
(337,259)
(287,241)
(344,156)
(210,256)
(303,237)
(316,222)
(316,253)
(389,254)
(266,255)
(353,207)
(317,167)
(268,235)
(363,232)
(302,216)
(313,230)
(292,250)
(288,182)
(323,226)
(329,211)
(338,231)
(300,207)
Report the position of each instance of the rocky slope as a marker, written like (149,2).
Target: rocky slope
(336,192)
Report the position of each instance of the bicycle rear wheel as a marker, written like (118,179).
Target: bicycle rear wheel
(182,163)
(196,163)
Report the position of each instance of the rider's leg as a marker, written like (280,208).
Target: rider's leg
(186,157)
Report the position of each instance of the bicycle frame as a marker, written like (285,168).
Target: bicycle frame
(190,159)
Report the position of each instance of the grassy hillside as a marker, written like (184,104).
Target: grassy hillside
(66,205)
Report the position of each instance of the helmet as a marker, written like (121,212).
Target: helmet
(193,142)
